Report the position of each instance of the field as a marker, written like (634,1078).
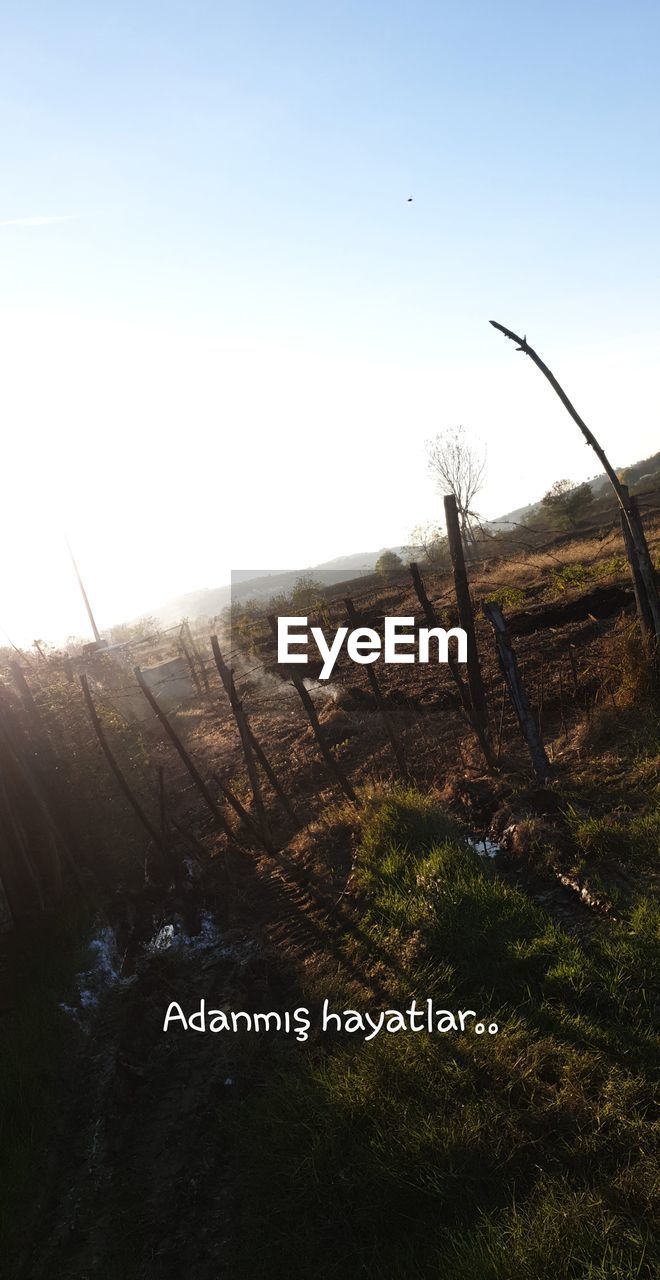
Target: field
(526,1152)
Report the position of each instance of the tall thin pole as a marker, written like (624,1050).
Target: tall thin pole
(156,836)
(511,673)
(463,691)
(187,760)
(333,765)
(90,615)
(636,546)
(239,716)
(394,742)
(466,618)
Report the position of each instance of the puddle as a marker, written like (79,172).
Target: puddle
(106,968)
(103,973)
(207,946)
(174,937)
(485,847)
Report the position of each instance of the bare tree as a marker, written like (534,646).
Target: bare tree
(459,468)
(431,540)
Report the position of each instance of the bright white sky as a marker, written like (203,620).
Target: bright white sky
(225,333)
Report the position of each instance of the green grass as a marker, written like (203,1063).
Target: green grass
(517,1156)
(633,838)
(580,575)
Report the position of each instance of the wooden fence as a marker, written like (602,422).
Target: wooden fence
(39,853)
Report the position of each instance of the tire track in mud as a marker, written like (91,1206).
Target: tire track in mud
(306,925)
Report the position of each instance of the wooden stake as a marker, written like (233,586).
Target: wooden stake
(509,667)
(465,614)
(394,742)
(241,721)
(105,747)
(310,709)
(44,763)
(641,560)
(191,666)
(260,754)
(188,762)
(270,774)
(463,691)
(25,694)
(501,724)
(641,600)
(241,811)
(196,650)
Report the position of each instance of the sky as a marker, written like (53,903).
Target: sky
(227,333)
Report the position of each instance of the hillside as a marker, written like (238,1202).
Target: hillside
(208,602)
(258,584)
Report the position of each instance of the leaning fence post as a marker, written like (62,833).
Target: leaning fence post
(270,774)
(191,665)
(196,650)
(641,598)
(189,763)
(509,666)
(636,547)
(25,693)
(329,758)
(239,716)
(380,702)
(463,692)
(242,812)
(466,617)
(156,836)
(45,763)
(259,752)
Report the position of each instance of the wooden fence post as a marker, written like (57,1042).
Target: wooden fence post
(463,692)
(259,752)
(239,716)
(509,667)
(465,615)
(191,665)
(44,807)
(637,549)
(310,709)
(242,812)
(641,599)
(270,774)
(196,776)
(395,744)
(157,837)
(196,650)
(25,694)
(45,765)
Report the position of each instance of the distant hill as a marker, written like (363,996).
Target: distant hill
(260,584)
(645,472)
